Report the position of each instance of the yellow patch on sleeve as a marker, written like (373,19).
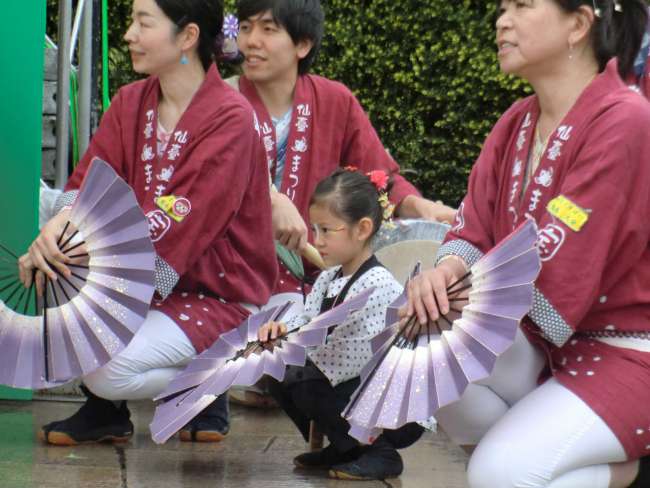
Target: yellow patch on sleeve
(176,207)
(568,213)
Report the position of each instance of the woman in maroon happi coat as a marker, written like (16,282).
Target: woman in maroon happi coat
(184,135)
(568,406)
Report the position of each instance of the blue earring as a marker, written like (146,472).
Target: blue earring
(184,59)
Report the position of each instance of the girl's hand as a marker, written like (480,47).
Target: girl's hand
(44,253)
(271,331)
(427,292)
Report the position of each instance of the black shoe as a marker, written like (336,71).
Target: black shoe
(211,425)
(405,436)
(98,420)
(325,458)
(378,462)
(642,479)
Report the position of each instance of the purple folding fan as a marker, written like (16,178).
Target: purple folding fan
(415,370)
(238,358)
(82,321)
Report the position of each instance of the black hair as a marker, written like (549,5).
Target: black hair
(351,196)
(614,33)
(303,20)
(208,15)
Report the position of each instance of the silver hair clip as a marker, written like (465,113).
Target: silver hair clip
(597,11)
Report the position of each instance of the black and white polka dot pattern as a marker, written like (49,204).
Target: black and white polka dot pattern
(166,278)
(348,348)
(549,320)
(461,248)
(66,199)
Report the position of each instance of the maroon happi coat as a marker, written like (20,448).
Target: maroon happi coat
(594,242)
(328,129)
(221,253)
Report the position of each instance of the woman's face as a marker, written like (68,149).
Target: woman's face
(152,39)
(532,37)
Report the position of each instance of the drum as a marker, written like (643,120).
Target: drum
(401,246)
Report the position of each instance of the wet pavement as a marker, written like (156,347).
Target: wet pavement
(257,453)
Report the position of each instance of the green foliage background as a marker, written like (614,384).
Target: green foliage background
(425,71)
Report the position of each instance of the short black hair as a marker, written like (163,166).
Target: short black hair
(303,19)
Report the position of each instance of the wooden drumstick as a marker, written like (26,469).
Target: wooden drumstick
(310,253)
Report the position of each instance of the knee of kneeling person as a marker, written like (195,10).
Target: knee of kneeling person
(108,384)
(494,466)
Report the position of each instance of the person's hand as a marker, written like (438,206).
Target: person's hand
(417,207)
(427,292)
(289,228)
(271,331)
(44,255)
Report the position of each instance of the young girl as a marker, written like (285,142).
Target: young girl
(345,211)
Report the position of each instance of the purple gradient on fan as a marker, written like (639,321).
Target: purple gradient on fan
(273,365)
(394,409)
(61,365)
(130,294)
(97,327)
(411,385)
(20,339)
(518,242)
(128,234)
(118,250)
(392,312)
(513,302)
(385,335)
(121,316)
(292,354)
(495,333)
(99,308)
(422,400)
(522,269)
(174,414)
(113,213)
(476,363)
(82,357)
(123,262)
(99,177)
(222,350)
(339,313)
(308,338)
(449,378)
(367,408)
(169,418)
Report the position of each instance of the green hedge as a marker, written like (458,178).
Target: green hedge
(425,71)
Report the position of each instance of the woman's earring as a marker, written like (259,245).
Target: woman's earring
(570,51)
(184,59)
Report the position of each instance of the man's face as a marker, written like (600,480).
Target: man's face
(269,52)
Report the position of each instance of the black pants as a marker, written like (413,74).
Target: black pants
(306,394)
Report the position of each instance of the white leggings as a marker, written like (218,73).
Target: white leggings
(157,352)
(530,436)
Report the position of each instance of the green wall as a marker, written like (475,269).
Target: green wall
(21,99)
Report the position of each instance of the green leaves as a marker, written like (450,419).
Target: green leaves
(427,74)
